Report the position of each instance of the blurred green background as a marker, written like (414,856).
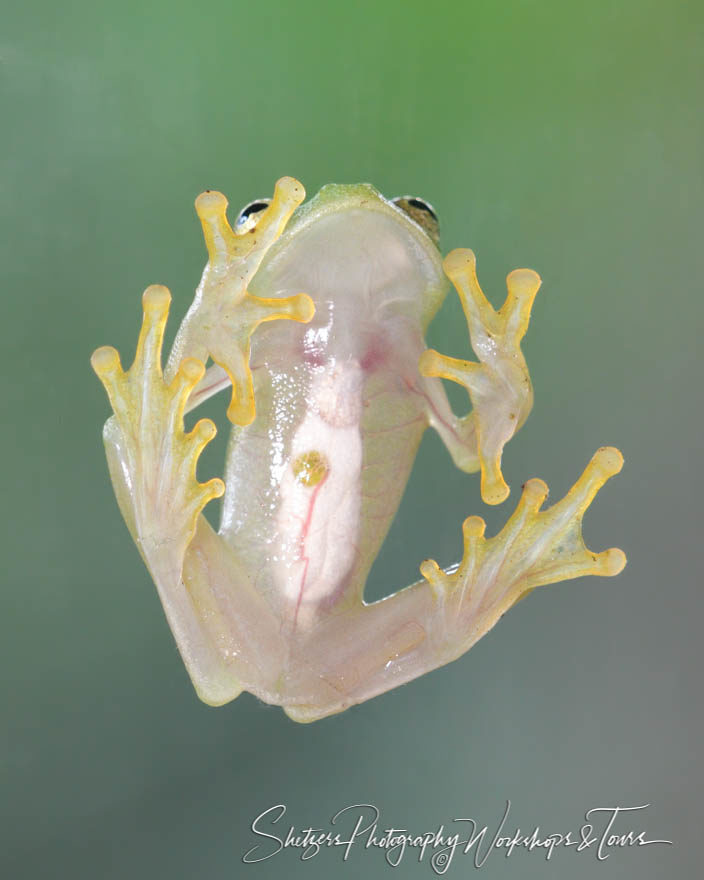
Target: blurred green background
(558,135)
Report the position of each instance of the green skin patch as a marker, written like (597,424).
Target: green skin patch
(310,468)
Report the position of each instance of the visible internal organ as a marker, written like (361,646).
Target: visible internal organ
(320,493)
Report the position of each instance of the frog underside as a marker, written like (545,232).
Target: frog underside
(330,398)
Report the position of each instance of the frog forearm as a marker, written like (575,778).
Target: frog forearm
(459,434)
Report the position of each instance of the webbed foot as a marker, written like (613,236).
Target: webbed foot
(535,547)
(161,497)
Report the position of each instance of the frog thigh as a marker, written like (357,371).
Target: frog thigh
(236,619)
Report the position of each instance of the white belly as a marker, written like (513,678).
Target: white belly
(320,492)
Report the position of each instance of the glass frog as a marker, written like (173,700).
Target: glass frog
(315,316)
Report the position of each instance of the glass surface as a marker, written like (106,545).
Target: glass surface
(566,137)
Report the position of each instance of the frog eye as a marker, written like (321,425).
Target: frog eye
(422,213)
(248,216)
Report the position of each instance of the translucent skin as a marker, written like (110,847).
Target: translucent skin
(330,400)
(348,383)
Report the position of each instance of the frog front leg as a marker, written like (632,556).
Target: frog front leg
(498,385)
(224,314)
(368,649)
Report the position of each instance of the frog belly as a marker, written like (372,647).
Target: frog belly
(320,492)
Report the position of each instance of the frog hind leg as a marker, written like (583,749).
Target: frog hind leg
(370,649)
(152,462)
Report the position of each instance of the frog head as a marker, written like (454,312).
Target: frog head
(350,244)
